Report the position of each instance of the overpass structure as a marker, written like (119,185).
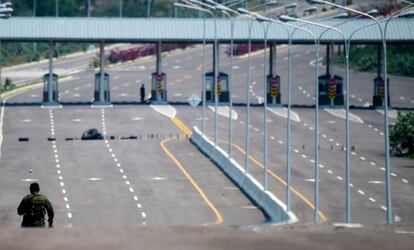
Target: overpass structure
(171,30)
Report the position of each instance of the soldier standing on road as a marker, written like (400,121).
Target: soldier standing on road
(33,207)
(142,90)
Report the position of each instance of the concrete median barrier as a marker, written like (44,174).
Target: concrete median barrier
(274,209)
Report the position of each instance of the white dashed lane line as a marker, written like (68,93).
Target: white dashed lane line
(58,167)
(121,170)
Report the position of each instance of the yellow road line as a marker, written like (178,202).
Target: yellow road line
(281,180)
(219,218)
(182,126)
(188,132)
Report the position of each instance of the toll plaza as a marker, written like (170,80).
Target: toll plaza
(222,87)
(197,31)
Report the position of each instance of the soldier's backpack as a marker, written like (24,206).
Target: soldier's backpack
(37,210)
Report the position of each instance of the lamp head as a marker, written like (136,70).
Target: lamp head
(406,14)
(311,9)
(261,18)
(285,18)
(372,12)
(341,15)
(271,2)
(291,6)
(243,11)
(315,1)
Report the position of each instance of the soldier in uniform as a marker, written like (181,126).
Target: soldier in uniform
(33,207)
(142,92)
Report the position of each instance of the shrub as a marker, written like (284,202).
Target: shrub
(402,135)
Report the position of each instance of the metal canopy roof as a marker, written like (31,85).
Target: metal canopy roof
(188,30)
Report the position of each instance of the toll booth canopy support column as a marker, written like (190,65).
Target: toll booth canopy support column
(378,99)
(273,80)
(102,72)
(50,83)
(159,81)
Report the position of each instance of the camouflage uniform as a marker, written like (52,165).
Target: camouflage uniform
(33,208)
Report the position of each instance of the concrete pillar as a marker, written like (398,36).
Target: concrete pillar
(272,59)
(216,60)
(328,59)
(159,58)
(379,60)
(50,83)
(102,72)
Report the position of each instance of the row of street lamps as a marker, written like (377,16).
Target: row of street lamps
(209,6)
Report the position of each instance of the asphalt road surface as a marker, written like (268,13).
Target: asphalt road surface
(157,177)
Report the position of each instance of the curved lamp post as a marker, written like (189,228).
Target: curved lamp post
(287,18)
(226,11)
(189,5)
(387,161)
(215,70)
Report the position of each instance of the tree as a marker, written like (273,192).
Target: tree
(402,135)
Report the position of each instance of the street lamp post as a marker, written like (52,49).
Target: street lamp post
(215,70)
(226,11)
(191,5)
(248,85)
(386,132)
(290,36)
(148,8)
(121,5)
(287,18)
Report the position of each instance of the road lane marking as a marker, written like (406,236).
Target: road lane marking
(283,112)
(372,199)
(340,113)
(225,112)
(375,182)
(391,113)
(219,218)
(361,192)
(405,181)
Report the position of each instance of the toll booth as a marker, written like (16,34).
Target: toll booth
(222,87)
(105,86)
(159,87)
(273,90)
(331,91)
(379,92)
(54,95)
